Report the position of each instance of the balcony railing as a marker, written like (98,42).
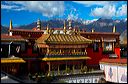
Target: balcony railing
(64,55)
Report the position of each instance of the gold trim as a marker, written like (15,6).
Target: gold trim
(7,60)
(66,58)
(125,64)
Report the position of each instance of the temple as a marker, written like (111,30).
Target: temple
(57,50)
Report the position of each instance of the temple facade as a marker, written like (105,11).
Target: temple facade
(61,51)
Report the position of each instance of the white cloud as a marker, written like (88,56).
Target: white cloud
(125,19)
(89,21)
(90,3)
(73,15)
(12,7)
(47,8)
(107,11)
(122,11)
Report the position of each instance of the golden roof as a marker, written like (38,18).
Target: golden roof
(65,58)
(12,60)
(62,39)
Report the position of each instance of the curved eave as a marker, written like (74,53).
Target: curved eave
(65,58)
(8,40)
(68,42)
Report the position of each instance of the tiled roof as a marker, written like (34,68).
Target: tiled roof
(27,30)
(106,33)
(62,39)
(58,28)
(120,61)
(6,37)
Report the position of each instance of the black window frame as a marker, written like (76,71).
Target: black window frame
(96,47)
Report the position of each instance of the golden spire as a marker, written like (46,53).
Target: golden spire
(114,29)
(10,25)
(47,30)
(78,31)
(64,27)
(74,29)
(39,24)
(93,30)
(70,24)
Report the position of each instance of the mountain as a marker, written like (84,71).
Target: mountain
(123,37)
(100,25)
(4,29)
(106,25)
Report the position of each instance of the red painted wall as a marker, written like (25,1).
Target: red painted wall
(97,56)
(117,51)
(29,53)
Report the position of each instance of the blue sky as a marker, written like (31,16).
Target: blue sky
(26,12)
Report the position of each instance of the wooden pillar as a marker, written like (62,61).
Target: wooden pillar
(102,43)
(60,51)
(10,68)
(85,51)
(7,68)
(58,70)
(17,68)
(66,66)
(73,68)
(49,69)
(81,66)
(41,66)
(47,50)
(28,65)
(74,50)
(113,46)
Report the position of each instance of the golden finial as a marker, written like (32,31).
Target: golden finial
(64,27)
(78,31)
(70,24)
(47,30)
(50,31)
(74,29)
(10,25)
(39,24)
(114,29)
(93,30)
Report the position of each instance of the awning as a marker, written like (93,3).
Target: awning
(65,58)
(10,60)
(96,40)
(109,40)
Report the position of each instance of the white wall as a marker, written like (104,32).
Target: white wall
(115,73)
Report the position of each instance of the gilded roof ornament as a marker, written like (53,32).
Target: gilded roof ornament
(47,30)
(114,29)
(64,27)
(93,30)
(10,25)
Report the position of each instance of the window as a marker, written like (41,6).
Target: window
(108,46)
(4,48)
(83,49)
(34,48)
(95,47)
